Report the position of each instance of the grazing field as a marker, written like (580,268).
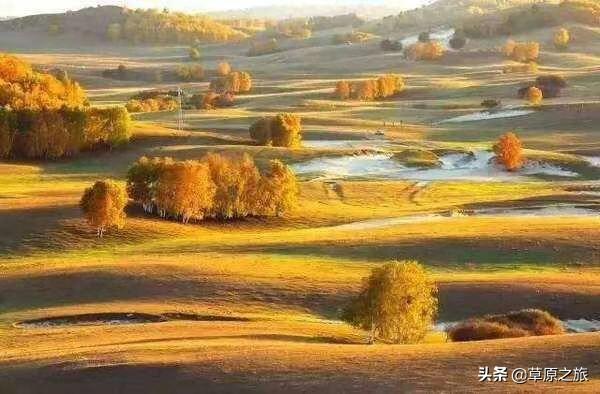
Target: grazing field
(255,304)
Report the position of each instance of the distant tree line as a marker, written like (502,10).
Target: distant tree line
(216,186)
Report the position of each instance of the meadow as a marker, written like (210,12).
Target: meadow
(254,304)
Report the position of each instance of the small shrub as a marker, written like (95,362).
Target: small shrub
(194,53)
(491,103)
(391,45)
(534,96)
(223,69)
(527,322)
(397,303)
(458,41)
(424,36)
(562,38)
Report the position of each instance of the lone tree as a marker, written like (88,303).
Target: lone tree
(283,130)
(562,37)
(458,40)
(534,95)
(397,304)
(103,205)
(509,151)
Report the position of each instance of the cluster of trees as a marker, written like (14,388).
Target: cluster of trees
(153,26)
(522,51)
(396,304)
(234,82)
(562,38)
(153,104)
(430,50)
(193,73)
(103,205)
(212,100)
(371,89)
(509,151)
(549,85)
(42,116)
(23,88)
(55,133)
(283,130)
(263,47)
(216,186)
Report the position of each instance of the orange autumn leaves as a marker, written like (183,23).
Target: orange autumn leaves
(371,89)
(23,88)
(509,151)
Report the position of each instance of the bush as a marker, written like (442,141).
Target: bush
(458,40)
(342,90)
(397,303)
(562,38)
(391,46)
(212,100)
(431,50)
(424,36)
(160,103)
(550,85)
(103,205)
(193,73)
(194,53)
(534,96)
(283,130)
(223,69)
(527,322)
(259,48)
(522,51)
(491,103)
(235,82)
(216,186)
(509,151)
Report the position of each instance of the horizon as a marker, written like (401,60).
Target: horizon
(15,8)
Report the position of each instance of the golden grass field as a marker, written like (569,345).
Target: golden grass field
(258,301)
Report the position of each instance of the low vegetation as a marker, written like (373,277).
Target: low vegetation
(527,322)
(562,38)
(355,37)
(216,186)
(152,104)
(194,73)
(397,303)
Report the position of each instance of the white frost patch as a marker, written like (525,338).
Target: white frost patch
(594,161)
(582,325)
(476,167)
(557,210)
(487,115)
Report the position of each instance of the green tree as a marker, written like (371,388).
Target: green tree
(103,205)
(397,303)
